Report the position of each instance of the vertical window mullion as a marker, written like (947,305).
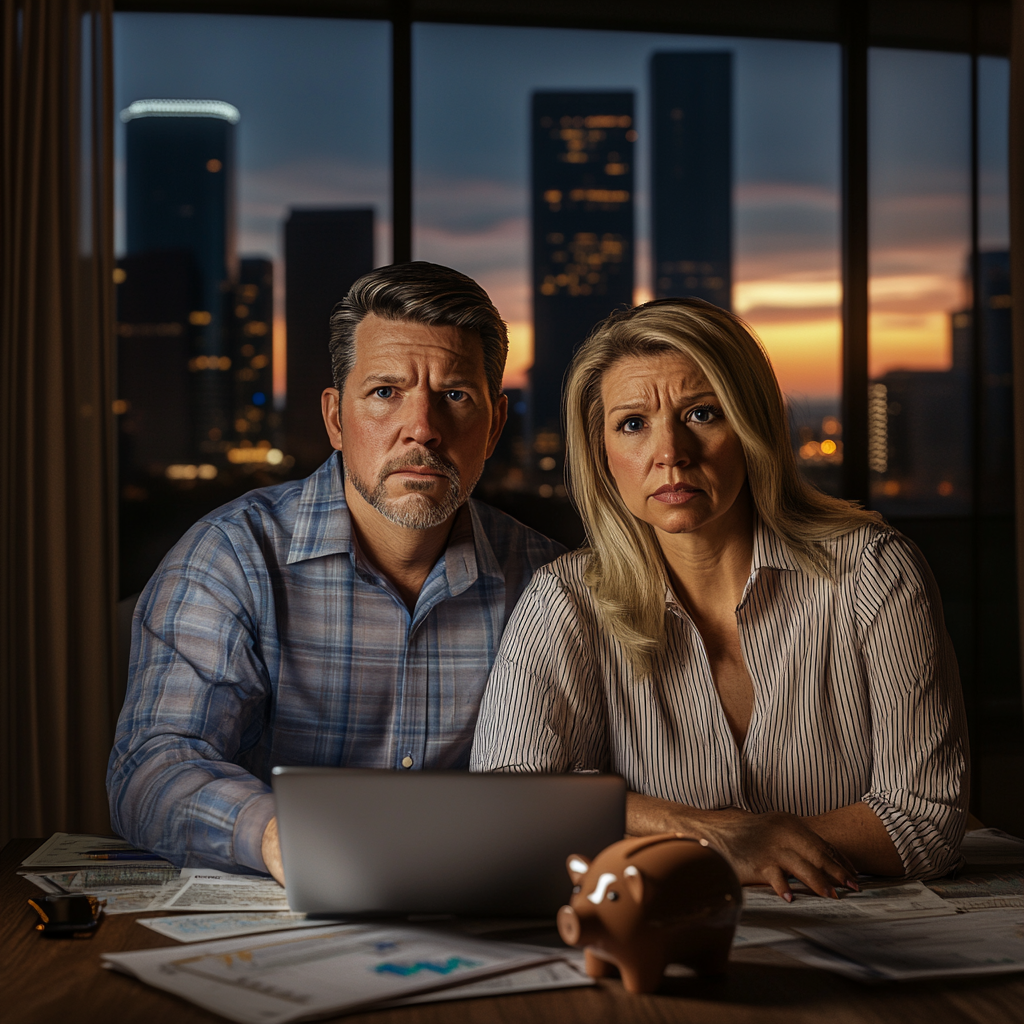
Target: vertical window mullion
(855,254)
(401,131)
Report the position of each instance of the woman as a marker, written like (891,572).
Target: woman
(765,665)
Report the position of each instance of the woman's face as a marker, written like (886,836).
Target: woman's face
(677,463)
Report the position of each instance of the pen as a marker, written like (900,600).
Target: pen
(112,849)
(122,856)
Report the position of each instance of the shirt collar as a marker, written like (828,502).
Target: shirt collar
(323,526)
(770,552)
(322,523)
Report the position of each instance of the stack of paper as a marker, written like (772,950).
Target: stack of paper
(126,891)
(67,850)
(990,943)
(876,900)
(322,971)
(989,847)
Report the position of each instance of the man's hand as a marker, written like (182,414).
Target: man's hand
(763,849)
(272,851)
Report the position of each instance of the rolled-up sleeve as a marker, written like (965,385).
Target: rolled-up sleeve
(919,781)
(198,696)
(543,709)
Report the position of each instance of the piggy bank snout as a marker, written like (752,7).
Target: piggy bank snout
(569,926)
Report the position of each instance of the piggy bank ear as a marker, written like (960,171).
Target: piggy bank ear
(634,882)
(577,867)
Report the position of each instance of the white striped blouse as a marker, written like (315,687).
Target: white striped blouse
(856,696)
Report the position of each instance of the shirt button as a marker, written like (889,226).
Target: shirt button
(407,761)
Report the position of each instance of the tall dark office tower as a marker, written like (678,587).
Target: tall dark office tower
(923,456)
(691,131)
(156,294)
(252,359)
(180,157)
(325,252)
(582,197)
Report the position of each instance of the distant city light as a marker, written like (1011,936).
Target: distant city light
(259,398)
(828,447)
(271,456)
(210,363)
(181,108)
(185,471)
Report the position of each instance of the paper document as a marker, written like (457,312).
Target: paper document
(979,885)
(203,889)
(320,971)
(200,927)
(991,903)
(167,889)
(963,944)
(68,850)
(891,901)
(825,959)
(557,974)
(90,879)
(991,846)
(752,935)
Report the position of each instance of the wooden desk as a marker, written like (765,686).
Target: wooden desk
(60,981)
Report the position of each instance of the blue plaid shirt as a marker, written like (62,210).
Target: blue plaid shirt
(266,638)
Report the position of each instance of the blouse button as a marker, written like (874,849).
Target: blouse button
(407,761)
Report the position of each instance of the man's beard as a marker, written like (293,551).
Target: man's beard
(411,510)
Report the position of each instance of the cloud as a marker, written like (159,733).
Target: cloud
(465,206)
(265,196)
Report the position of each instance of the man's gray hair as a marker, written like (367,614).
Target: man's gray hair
(419,293)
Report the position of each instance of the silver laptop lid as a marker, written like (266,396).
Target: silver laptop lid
(373,841)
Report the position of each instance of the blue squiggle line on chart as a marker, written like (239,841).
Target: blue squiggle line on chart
(404,970)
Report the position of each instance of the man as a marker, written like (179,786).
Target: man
(348,619)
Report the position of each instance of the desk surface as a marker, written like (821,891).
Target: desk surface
(57,981)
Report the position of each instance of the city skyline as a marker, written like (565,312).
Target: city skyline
(472,85)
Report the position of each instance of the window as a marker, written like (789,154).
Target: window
(253,154)
(544,163)
(756,162)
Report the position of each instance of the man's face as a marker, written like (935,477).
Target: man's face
(417,421)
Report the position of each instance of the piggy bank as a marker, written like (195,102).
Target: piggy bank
(651,901)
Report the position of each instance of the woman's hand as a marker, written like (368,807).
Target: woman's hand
(763,849)
(769,848)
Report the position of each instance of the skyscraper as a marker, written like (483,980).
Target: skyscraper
(180,157)
(252,353)
(582,200)
(325,252)
(921,438)
(691,130)
(156,294)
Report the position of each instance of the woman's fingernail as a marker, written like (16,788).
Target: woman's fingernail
(850,884)
(788,897)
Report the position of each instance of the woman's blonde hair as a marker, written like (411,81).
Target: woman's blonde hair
(626,573)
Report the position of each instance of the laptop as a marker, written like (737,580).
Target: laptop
(367,841)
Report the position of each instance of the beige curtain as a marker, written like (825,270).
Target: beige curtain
(1017,281)
(57,473)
